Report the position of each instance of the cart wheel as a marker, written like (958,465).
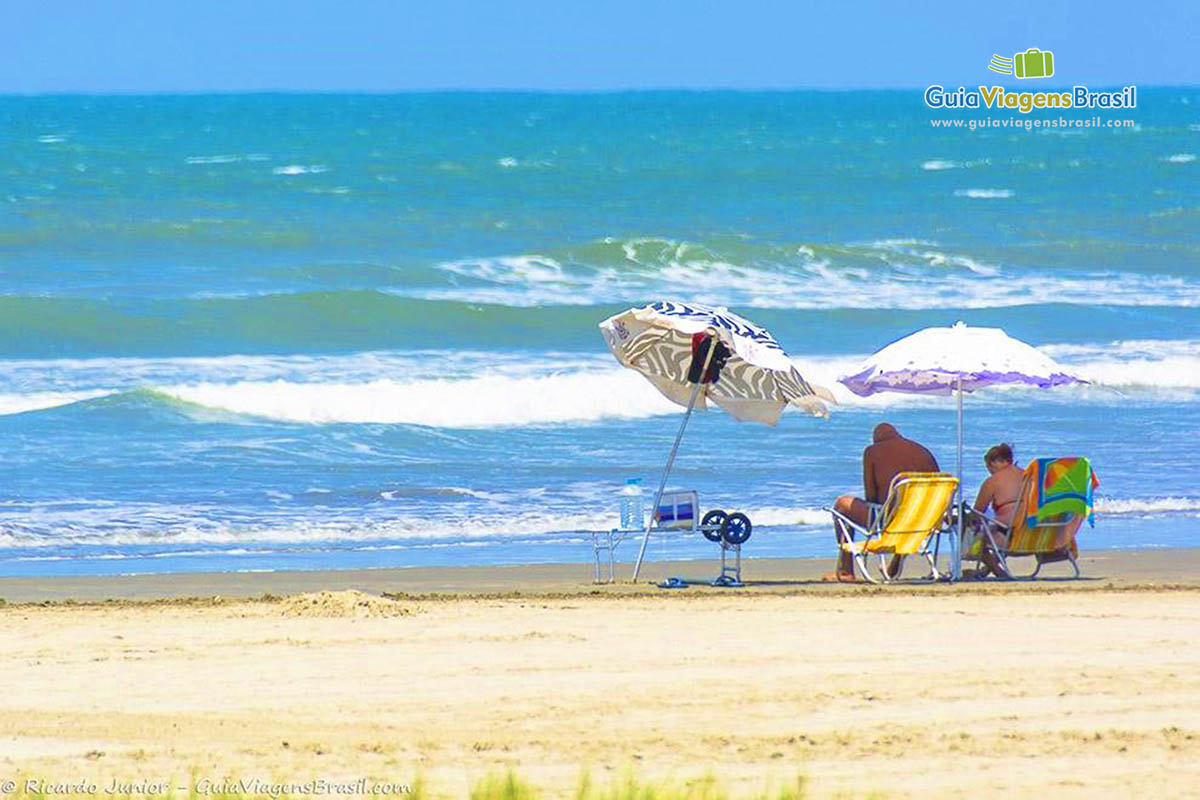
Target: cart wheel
(712,523)
(736,529)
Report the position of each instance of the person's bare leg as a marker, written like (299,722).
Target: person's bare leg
(991,563)
(855,510)
(975,527)
(991,558)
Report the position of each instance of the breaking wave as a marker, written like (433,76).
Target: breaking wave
(1156,505)
(895,273)
(474,389)
(491,401)
(68,525)
(501,301)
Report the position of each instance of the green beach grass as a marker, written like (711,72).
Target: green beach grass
(494,786)
(509,786)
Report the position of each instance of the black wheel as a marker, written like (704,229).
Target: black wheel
(712,523)
(736,529)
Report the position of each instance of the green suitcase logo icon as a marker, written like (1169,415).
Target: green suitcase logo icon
(1034,63)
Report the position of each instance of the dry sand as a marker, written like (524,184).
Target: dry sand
(1083,689)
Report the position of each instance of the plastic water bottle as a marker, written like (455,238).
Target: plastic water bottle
(633,512)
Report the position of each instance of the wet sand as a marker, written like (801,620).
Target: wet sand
(1122,568)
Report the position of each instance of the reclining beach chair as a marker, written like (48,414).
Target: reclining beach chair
(915,509)
(1056,497)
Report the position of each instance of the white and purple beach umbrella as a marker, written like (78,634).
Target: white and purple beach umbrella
(943,361)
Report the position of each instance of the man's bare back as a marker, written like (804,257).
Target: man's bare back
(890,455)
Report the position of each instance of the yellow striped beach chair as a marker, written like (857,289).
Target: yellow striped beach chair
(916,508)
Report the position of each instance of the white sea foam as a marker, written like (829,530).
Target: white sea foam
(491,401)
(901,253)
(37,401)
(453,389)
(914,277)
(51,139)
(1153,505)
(1126,349)
(114,525)
(1134,363)
(219,159)
(487,517)
(766,516)
(508,162)
(106,375)
(521,270)
(110,524)
(300,169)
(1181,158)
(984,194)
(937,164)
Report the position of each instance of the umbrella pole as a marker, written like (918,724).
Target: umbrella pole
(662,485)
(956,544)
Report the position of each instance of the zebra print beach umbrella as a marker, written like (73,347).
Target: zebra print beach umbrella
(672,344)
(757,382)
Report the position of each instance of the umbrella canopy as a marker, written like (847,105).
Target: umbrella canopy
(757,382)
(935,360)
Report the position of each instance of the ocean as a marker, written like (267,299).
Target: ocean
(287,331)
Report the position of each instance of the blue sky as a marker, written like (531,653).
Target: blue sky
(375,45)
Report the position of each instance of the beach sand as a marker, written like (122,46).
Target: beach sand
(1065,689)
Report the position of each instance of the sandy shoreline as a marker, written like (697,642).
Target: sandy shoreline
(1065,689)
(1120,568)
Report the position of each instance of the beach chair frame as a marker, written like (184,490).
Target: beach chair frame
(988,526)
(861,550)
(1066,552)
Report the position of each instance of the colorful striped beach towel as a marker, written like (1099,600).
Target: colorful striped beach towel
(1063,486)
(1056,497)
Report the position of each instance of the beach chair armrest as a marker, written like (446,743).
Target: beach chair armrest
(839,516)
(984,518)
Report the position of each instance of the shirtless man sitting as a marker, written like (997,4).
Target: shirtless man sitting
(890,455)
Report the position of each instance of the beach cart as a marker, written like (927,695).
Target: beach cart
(678,512)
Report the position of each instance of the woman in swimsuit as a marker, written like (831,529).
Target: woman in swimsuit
(1000,491)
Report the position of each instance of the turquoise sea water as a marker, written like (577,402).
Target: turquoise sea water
(310,331)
